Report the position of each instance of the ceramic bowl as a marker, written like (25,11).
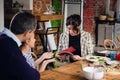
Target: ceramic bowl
(102,17)
(93,73)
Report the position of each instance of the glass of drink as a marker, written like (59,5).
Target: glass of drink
(113,55)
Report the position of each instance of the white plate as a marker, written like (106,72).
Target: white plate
(104,52)
(97,58)
(113,62)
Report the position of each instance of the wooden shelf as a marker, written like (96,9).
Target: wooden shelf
(43,17)
(46,17)
(44,32)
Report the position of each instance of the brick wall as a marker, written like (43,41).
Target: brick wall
(92,9)
(88,15)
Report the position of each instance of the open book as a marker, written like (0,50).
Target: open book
(67,51)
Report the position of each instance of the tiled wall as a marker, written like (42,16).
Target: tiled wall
(92,9)
(88,15)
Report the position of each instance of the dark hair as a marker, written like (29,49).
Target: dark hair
(21,22)
(74,20)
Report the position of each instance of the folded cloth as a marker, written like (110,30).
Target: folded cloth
(67,51)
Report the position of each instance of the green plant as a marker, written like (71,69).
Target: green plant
(57,5)
(54,63)
(17,5)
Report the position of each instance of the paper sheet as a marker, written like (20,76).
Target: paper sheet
(51,41)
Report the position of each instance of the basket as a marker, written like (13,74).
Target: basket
(102,17)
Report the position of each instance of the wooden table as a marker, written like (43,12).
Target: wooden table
(70,71)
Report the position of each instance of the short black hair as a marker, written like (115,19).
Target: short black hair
(21,22)
(74,20)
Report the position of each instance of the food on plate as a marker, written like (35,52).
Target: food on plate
(114,62)
(96,58)
(112,69)
(92,57)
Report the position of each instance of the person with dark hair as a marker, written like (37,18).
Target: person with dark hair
(13,64)
(75,37)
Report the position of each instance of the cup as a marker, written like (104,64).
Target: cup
(113,55)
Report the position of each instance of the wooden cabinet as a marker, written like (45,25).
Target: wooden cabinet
(44,18)
(107,30)
(44,32)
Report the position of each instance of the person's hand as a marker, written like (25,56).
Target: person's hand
(49,60)
(48,55)
(45,63)
(77,57)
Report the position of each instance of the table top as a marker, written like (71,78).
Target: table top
(71,71)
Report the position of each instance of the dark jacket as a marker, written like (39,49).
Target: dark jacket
(13,65)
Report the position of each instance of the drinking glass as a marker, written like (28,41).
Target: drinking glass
(113,55)
(101,66)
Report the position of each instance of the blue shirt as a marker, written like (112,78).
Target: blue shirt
(29,58)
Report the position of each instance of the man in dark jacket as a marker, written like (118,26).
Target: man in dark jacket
(13,65)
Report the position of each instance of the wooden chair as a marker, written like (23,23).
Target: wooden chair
(109,44)
(118,38)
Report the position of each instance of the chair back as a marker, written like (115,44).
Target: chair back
(118,38)
(109,44)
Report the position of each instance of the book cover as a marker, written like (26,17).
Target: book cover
(67,51)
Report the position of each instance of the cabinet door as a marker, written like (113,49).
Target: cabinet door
(117,33)
(105,31)
(101,34)
(109,33)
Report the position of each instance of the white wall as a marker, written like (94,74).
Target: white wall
(28,4)
(73,9)
(1,15)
